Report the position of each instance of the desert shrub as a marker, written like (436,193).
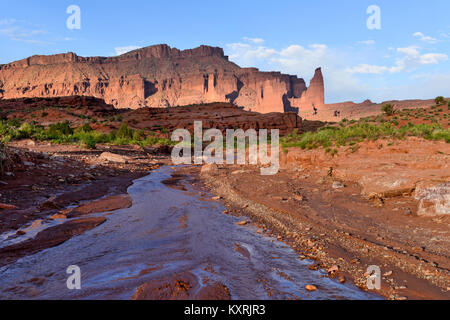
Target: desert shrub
(388,109)
(57,130)
(439,100)
(448,104)
(85,128)
(88,141)
(25,131)
(138,135)
(124,132)
(394,122)
(14,123)
(44,114)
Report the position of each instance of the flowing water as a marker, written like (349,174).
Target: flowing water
(167,231)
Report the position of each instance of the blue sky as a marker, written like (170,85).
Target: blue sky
(407,58)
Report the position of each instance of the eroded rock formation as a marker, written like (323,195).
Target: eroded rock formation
(159,76)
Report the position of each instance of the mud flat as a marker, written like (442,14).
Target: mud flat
(330,217)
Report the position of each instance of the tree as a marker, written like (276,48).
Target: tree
(388,109)
(439,100)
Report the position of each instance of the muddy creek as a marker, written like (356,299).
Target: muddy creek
(170,230)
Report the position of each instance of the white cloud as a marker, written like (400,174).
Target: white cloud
(123,50)
(367,42)
(246,54)
(254,40)
(424,38)
(342,71)
(433,58)
(16,30)
(302,61)
(368,69)
(411,59)
(7,21)
(424,86)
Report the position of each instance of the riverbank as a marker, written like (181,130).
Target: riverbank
(332,222)
(48,184)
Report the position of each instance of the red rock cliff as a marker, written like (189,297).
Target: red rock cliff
(159,76)
(314,95)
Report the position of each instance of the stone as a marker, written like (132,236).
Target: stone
(338,185)
(7,206)
(112,157)
(310,287)
(433,197)
(333,269)
(58,216)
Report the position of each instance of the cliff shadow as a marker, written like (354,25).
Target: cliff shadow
(287,105)
(235,94)
(149,89)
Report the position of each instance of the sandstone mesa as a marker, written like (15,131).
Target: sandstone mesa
(160,76)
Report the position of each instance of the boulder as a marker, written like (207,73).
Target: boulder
(433,197)
(113,157)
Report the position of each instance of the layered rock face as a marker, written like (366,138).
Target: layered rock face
(314,95)
(159,76)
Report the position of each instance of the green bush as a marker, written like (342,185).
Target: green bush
(88,141)
(85,128)
(124,132)
(388,109)
(439,100)
(14,122)
(57,130)
(25,131)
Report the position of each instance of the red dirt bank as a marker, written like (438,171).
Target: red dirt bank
(353,216)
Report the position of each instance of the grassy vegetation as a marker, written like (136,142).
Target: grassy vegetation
(62,132)
(332,137)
